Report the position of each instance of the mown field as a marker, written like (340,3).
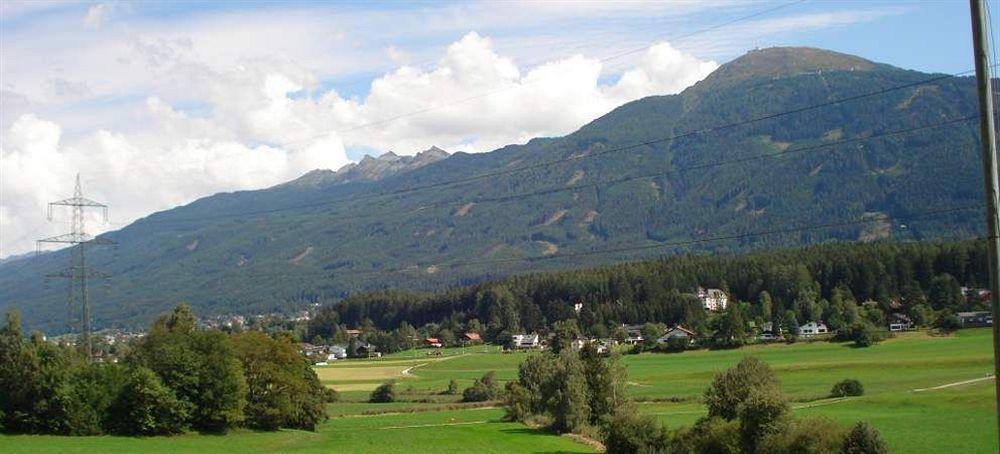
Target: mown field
(903,379)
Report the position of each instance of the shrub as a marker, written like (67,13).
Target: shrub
(485,388)
(385,393)
(947,322)
(811,435)
(330,395)
(452,387)
(863,439)
(677,344)
(709,435)
(632,433)
(863,334)
(848,387)
(146,406)
(517,402)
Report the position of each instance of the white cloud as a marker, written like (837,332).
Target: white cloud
(214,102)
(96,15)
(479,101)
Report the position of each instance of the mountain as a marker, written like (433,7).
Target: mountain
(369,169)
(654,176)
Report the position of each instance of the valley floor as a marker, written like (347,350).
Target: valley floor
(905,381)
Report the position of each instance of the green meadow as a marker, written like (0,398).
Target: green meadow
(924,393)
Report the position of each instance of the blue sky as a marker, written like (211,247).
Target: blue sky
(193,98)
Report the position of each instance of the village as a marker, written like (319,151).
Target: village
(643,337)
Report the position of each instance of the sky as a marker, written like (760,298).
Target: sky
(156,104)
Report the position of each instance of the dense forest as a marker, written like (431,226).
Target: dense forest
(833,283)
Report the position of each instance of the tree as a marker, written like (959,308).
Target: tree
(947,322)
(566,331)
(810,435)
(452,387)
(732,387)
(945,292)
(282,389)
(629,433)
(570,407)
(385,393)
(762,412)
(863,439)
(766,305)
(201,367)
(650,333)
(146,406)
(483,389)
(791,323)
(729,329)
(606,384)
(863,333)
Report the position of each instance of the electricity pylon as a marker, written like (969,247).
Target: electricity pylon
(78,272)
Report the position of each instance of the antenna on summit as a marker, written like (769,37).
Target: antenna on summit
(78,272)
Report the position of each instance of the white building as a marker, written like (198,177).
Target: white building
(713,299)
(812,329)
(525,340)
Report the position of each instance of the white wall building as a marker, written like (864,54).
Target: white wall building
(713,299)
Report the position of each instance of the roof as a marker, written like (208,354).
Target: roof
(682,329)
(472,336)
(432,340)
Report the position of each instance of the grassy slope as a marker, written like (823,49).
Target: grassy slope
(955,419)
(447,431)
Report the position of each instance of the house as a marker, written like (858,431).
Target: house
(813,329)
(577,307)
(975,319)
(900,322)
(470,338)
(713,299)
(337,352)
(976,294)
(525,341)
(676,332)
(769,332)
(634,334)
(432,342)
(353,332)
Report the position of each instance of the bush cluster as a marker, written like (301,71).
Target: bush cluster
(174,379)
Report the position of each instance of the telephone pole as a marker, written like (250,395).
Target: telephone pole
(988,138)
(78,272)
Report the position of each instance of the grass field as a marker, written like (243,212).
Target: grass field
(957,418)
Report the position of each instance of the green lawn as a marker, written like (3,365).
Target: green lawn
(952,419)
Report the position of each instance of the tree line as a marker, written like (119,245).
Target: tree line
(845,285)
(174,379)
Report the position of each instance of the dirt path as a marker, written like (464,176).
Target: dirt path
(949,385)
(406,372)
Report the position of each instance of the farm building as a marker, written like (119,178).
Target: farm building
(470,338)
(432,342)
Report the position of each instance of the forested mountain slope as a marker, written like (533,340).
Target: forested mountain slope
(655,176)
